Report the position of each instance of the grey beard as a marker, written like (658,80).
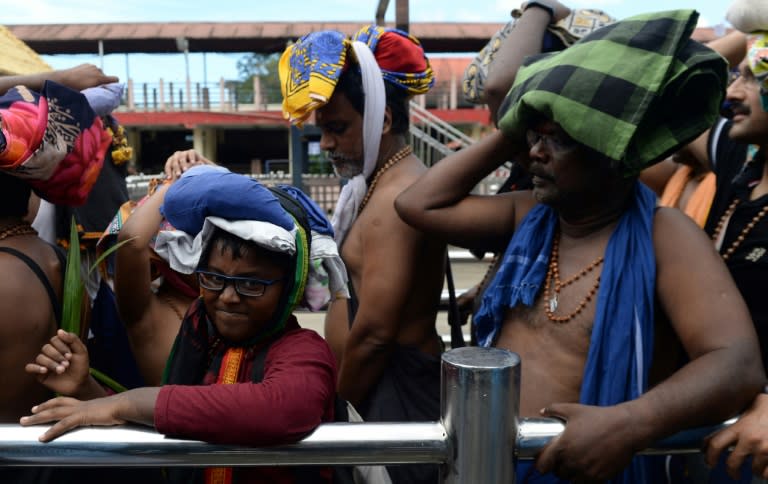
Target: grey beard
(345,167)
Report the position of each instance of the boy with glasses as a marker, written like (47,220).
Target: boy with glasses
(239,346)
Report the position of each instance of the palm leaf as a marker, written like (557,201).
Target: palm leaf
(107,381)
(74,286)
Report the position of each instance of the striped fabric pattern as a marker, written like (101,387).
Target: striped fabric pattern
(634,90)
(392,65)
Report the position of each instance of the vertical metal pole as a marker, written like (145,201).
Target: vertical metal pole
(188,82)
(222,96)
(131,95)
(402,17)
(298,155)
(205,70)
(162,95)
(480,404)
(381,12)
(101,55)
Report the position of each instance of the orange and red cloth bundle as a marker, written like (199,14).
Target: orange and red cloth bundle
(53,140)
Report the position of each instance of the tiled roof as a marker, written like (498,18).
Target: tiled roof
(228,37)
(264,37)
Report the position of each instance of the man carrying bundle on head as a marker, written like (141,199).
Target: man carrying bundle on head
(627,322)
(385,339)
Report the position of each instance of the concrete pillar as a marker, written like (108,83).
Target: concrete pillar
(453,93)
(161,90)
(188,95)
(133,135)
(421,100)
(257,97)
(130,101)
(222,96)
(204,141)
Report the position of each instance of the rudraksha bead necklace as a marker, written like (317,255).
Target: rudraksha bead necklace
(553,279)
(744,232)
(389,164)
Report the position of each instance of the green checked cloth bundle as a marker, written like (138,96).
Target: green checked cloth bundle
(634,91)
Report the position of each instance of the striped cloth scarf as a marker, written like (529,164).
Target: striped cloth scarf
(643,85)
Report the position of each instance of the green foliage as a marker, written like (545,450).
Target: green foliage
(263,66)
(320,167)
(74,286)
(107,381)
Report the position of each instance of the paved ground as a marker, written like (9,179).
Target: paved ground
(466,272)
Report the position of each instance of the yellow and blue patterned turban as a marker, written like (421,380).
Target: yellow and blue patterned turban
(309,71)
(757,56)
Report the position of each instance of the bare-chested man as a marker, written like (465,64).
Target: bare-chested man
(385,339)
(599,291)
(28,307)
(31,289)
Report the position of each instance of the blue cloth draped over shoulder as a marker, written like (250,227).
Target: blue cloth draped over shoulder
(318,220)
(220,193)
(621,344)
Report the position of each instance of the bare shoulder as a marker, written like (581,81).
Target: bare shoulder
(24,302)
(695,288)
(405,173)
(676,235)
(392,183)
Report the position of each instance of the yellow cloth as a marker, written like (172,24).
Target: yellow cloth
(701,200)
(309,71)
(17,57)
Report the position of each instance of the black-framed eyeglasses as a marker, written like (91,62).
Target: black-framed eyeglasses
(554,142)
(747,76)
(245,286)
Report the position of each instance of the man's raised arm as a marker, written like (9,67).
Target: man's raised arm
(440,203)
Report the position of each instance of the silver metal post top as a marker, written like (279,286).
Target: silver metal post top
(474,357)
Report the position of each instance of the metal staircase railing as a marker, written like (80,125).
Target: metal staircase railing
(432,138)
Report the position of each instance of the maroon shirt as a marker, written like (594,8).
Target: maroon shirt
(295,396)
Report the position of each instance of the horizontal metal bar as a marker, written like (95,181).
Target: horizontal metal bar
(535,433)
(329,444)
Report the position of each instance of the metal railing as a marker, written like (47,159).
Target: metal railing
(432,138)
(235,95)
(323,189)
(477,439)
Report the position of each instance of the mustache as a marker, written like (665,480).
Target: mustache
(731,109)
(540,174)
(334,156)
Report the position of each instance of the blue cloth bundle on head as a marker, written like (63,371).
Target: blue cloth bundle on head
(235,197)
(283,219)
(318,222)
